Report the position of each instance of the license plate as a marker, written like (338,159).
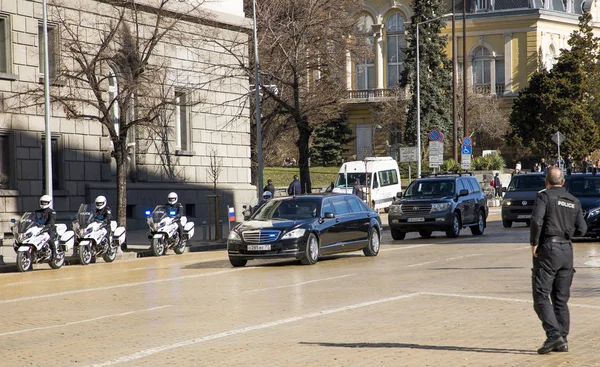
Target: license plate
(415,220)
(394,220)
(259,247)
(524,216)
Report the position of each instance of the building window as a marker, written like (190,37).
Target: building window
(5,172)
(481,5)
(56,163)
(482,61)
(52,50)
(113,93)
(182,119)
(395,43)
(550,58)
(4,44)
(365,68)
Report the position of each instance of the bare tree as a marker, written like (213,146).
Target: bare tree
(214,168)
(114,69)
(303,47)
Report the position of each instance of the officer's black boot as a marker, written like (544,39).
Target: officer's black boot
(564,348)
(552,344)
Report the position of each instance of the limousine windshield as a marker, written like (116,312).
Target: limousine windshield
(294,209)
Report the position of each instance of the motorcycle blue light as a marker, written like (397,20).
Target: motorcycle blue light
(172,212)
(148,212)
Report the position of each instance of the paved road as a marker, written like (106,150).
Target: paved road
(421,302)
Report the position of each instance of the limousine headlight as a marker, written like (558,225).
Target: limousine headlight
(593,213)
(440,207)
(507,203)
(233,235)
(296,233)
(396,209)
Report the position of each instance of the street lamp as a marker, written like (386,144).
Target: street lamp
(419,93)
(375,128)
(257,91)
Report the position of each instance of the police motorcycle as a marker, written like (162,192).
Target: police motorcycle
(92,236)
(164,233)
(32,243)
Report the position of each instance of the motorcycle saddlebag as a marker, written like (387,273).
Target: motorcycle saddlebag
(188,230)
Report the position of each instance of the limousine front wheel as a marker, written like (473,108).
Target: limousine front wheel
(372,248)
(311,250)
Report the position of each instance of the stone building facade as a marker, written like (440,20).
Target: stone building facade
(83,168)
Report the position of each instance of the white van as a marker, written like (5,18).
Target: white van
(383,178)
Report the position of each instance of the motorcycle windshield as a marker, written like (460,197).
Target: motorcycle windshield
(85,214)
(160,212)
(27,221)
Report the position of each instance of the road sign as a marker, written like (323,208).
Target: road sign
(441,137)
(465,161)
(467,141)
(466,149)
(408,154)
(434,135)
(436,154)
(558,138)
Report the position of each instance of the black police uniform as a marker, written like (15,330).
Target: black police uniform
(557,217)
(178,208)
(104,215)
(47,218)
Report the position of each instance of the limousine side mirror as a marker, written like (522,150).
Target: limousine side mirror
(463,192)
(399,194)
(329,215)
(504,189)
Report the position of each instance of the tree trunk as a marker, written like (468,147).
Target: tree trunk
(121,159)
(303,146)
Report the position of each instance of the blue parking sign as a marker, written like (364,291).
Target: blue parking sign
(467,149)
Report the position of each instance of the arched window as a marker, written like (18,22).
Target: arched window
(113,93)
(550,58)
(395,43)
(482,65)
(365,68)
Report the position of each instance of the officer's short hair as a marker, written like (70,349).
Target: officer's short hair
(554,176)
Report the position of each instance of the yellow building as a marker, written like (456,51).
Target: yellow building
(504,41)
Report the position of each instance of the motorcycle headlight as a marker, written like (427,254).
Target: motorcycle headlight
(296,233)
(507,203)
(234,236)
(88,231)
(25,236)
(440,207)
(396,209)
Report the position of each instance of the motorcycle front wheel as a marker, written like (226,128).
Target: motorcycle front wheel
(158,246)
(57,261)
(110,255)
(24,262)
(85,254)
(180,247)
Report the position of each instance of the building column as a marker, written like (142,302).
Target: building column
(379,57)
(507,63)
(349,71)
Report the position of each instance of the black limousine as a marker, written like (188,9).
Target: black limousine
(306,227)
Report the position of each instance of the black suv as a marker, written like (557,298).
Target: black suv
(586,188)
(443,202)
(517,205)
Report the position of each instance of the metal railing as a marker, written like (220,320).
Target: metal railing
(370,93)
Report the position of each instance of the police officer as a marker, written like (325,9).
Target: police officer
(103,214)
(177,207)
(46,216)
(266,197)
(557,217)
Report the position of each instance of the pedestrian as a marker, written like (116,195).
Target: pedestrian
(357,189)
(587,163)
(498,185)
(295,188)
(569,164)
(270,187)
(518,167)
(560,163)
(557,217)
(543,165)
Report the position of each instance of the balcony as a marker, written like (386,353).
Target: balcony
(487,89)
(370,95)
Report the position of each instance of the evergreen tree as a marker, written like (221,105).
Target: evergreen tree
(435,70)
(330,139)
(563,99)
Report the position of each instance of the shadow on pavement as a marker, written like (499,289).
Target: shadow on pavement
(424,347)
